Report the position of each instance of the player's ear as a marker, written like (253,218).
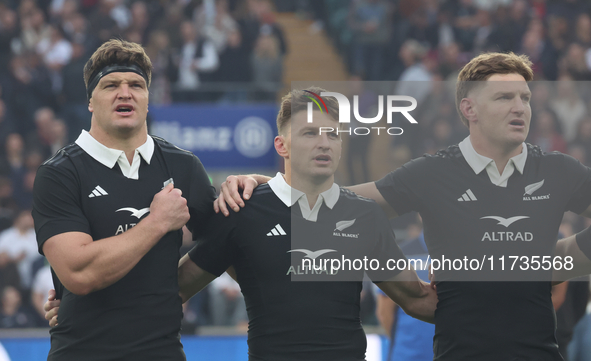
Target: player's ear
(281,147)
(90,107)
(468,109)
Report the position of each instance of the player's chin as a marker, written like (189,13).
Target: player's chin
(517,137)
(127,124)
(323,172)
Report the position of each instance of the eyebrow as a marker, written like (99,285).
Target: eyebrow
(528,93)
(118,81)
(309,127)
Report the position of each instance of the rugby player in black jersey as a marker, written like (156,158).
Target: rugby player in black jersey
(291,319)
(492,194)
(108,213)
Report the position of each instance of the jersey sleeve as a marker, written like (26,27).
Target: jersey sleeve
(56,204)
(579,181)
(399,188)
(201,197)
(216,249)
(385,249)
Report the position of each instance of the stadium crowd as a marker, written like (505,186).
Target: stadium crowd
(196,45)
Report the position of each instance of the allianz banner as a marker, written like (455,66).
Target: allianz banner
(222,136)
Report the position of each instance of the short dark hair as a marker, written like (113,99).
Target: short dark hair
(486,65)
(297,100)
(117,51)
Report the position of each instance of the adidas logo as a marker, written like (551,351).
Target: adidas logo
(467,196)
(276,231)
(97,192)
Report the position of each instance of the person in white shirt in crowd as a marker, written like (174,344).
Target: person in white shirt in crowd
(197,55)
(18,245)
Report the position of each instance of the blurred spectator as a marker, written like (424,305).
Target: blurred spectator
(449,61)
(541,51)
(370,22)
(120,13)
(415,80)
(140,21)
(568,106)
(445,30)
(33,30)
(583,31)
(18,246)
(519,15)
(213,20)
(235,66)
(189,321)
(8,32)
(358,147)
(267,65)
(546,134)
(170,23)
(62,11)
(578,152)
(533,46)
(101,22)
(14,166)
(441,136)
(30,89)
(422,29)
(33,160)
(73,100)
(13,314)
(484,28)
(42,283)
(580,348)
(570,310)
(268,23)
(42,138)
(575,63)
(8,206)
(465,23)
(583,137)
(248,18)
(558,32)
(410,339)
(164,72)
(6,128)
(56,52)
(227,302)
(78,30)
(198,55)
(541,94)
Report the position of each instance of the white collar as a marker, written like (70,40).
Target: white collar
(479,162)
(108,156)
(289,196)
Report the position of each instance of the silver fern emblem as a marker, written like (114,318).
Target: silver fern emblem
(530,189)
(344,224)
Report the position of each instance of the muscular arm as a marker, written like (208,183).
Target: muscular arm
(581,263)
(84,265)
(414,296)
(192,278)
(369,190)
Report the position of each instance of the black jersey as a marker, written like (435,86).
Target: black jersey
(465,214)
(289,319)
(139,316)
